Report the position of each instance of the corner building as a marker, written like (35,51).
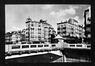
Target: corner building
(38,30)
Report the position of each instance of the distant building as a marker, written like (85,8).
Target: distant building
(87,23)
(38,30)
(8,38)
(70,30)
(14,37)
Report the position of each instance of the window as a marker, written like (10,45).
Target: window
(32,28)
(31,24)
(33,46)
(72,45)
(79,45)
(58,28)
(58,32)
(40,45)
(89,19)
(16,47)
(46,45)
(53,45)
(39,36)
(27,36)
(39,28)
(64,27)
(25,46)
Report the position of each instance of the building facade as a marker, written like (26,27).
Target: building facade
(14,37)
(70,30)
(8,38)
(38,30)
(87,23)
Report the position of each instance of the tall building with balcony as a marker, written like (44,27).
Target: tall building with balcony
(38,30)
(87,23)
(70,30)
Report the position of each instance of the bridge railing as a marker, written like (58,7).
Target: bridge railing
(37,47)
(79,46)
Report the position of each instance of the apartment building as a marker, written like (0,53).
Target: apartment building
(38,30)
(70,29)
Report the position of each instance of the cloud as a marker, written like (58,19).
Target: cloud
(63,12)
(47,6)
(74,6)
(16,28)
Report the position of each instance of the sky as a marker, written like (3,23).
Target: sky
(16,15)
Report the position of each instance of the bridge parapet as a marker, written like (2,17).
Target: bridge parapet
(77,46)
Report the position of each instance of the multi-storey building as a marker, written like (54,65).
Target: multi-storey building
(87,23)
(38,30)
(8,38)
(14,37)
(70,30)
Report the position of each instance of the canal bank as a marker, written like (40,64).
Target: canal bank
(76,55)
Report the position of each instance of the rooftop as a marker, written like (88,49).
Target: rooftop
(68,21)
(40,21)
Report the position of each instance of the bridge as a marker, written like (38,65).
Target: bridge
(55,46)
